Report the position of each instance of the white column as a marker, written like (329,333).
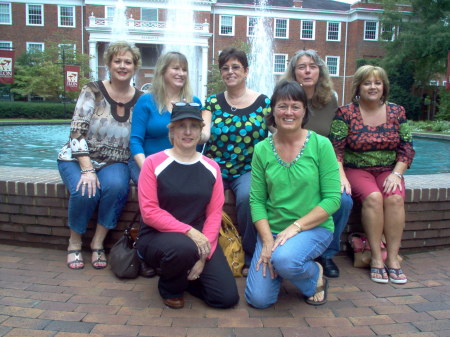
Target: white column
(93,61)
(204,81)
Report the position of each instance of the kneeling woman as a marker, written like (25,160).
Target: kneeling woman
(181,198)
(295,189)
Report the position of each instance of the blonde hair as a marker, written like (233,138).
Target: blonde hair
(158,88)
(122,47)
(362,74)
(323,90)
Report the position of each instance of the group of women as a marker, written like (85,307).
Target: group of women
(293,186)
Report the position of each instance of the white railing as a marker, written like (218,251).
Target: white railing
(141,25)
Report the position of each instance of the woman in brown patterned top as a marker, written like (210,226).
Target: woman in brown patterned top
(93,164)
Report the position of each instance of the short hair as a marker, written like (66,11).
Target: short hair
(233,53)
(324,87)
(286,89)
(158,87)
(362,74)
(122,47)
(172,124)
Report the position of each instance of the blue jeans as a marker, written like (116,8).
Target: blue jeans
(241,189)
(340,219)
(294,261)
(110,198)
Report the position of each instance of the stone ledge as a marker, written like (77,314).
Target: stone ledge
(33,210)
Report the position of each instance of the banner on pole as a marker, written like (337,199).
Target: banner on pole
(448,70)
(6,66)
(71,78)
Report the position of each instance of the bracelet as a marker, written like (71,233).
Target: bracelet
(299,227)
(92,170)
(398,174)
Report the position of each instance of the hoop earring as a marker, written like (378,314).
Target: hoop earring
(357,98)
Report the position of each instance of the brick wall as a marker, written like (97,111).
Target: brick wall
(33,211)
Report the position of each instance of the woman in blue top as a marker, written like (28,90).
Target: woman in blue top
(234,125)
(149,132)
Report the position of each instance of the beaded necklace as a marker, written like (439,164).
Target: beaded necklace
(292,163)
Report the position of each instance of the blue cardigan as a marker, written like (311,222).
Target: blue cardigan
(149,132)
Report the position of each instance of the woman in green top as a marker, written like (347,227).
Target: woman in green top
(295,189)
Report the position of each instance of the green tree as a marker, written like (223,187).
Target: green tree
(41,73)
(416,48)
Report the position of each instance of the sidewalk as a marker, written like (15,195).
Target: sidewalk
(40,296)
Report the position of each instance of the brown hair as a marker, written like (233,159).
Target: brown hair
(122,47)
(362,74)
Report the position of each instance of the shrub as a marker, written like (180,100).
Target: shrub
(36,110)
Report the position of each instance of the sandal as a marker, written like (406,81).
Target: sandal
(99,263)
(397,272)
(78,259)
(379,271)
(324,288)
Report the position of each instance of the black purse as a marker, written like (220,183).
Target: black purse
(123,257)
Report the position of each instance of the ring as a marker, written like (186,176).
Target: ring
(83,183)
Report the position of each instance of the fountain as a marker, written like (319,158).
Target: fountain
(179,36)
(261,77)
(119,29)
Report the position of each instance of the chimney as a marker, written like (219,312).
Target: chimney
(298,3)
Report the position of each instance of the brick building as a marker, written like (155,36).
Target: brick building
(340,32)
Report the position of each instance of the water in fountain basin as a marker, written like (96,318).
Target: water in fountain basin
(261,77)
(179,36)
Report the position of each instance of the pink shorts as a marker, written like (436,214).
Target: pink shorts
(364,182)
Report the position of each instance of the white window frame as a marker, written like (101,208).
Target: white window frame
(9,14)
(366,31)
(60,17)
(28,15)
(232,25)
(149,8)
(249,19)
(393,32)
(338,31)
(313,30)
(275,63)
(9,43)
(36,43)
(286,35)
(327,59)
(112,9)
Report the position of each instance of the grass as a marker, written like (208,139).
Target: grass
(430,126)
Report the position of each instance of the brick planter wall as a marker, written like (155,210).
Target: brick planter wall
(33,211)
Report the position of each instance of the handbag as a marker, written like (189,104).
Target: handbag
(231,244)
(361,250)
(123,257)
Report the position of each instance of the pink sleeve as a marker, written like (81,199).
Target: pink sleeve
(151,213)
(214,210)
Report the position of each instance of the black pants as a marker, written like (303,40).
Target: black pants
(175,254)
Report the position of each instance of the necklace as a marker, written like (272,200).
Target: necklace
(281,161)
(233,106)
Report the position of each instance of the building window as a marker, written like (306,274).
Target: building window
(388,32)
(334,31)
(5,45)
(371,30)
(226,25)
(281,28)
(149,14)
(279,63)
(66,16)
(69,50)
(109,12)
(35,46)
(307,30)
(333,65)
(5,14)
(251,26)
(35,15)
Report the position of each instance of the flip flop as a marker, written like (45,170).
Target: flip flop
(324,288)
(381,271)
(96,262)
(78,259)
(397,272)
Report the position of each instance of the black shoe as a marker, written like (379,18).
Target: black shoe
(146,271)
(330,269)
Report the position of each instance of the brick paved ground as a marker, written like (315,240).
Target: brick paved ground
(40,296)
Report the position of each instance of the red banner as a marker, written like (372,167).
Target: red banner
(6,66)
(71,77)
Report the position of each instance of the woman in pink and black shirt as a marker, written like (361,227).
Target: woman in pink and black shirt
(373,144)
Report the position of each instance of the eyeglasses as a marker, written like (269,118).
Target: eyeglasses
(186,104)
(233,68)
